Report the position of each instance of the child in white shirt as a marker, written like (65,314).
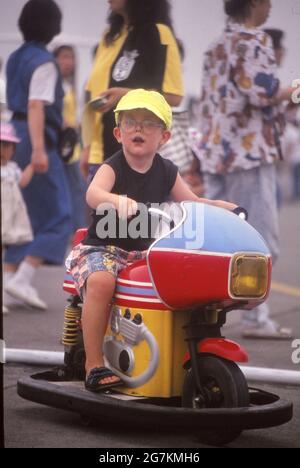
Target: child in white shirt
(15,224)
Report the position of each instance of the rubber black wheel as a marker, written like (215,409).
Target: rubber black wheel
(224,386)
(79,363)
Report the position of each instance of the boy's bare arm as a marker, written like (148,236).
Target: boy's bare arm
(100,188)
(27,175)
(100,192)
(181,192)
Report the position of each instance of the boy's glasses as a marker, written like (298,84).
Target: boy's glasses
(148,126)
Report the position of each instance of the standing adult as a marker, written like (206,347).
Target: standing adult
(66,59)
(35,96)
(138,50)
(241,126)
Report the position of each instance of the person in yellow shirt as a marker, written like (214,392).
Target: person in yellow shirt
(66,60)
(139,50)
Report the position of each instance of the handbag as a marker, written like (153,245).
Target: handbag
(68,139)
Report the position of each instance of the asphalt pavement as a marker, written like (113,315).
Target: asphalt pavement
(28,424)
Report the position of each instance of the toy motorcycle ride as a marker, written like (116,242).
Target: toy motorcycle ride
(164,337)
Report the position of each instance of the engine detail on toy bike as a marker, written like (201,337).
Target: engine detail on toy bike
(119,347)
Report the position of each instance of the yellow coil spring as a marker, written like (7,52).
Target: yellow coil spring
(71,326)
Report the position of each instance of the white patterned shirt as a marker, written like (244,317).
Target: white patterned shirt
(240,125)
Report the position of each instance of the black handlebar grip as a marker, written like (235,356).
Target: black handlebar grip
(241,212)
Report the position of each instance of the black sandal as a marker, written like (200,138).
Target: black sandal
(98,373)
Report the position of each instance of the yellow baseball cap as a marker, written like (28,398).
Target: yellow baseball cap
(143,99)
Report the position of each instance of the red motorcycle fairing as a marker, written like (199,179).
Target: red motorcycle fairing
(190,265)
(189,279)
(220,347)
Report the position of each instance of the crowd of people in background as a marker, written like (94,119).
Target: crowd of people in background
(243,128)
(35,98)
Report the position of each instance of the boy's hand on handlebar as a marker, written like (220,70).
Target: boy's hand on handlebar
(126,207)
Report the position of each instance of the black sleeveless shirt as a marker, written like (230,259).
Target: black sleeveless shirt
(154,186)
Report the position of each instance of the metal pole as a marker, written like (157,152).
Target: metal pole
(54,358)
(271,376)
(35,357)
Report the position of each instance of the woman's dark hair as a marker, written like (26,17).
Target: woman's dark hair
(277,36)
(237,8)
(40,21)
(139,13)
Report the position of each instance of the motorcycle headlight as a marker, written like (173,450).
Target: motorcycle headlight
(249,276)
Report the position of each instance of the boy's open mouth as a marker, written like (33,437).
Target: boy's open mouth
(138,139)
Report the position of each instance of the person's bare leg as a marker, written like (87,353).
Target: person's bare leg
(34,261)
(13,267)
(99,292)
(10,268)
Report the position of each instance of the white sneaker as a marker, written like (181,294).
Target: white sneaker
(11,302)
(5,310)
(25,293)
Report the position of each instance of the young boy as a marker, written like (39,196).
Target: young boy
(136,174)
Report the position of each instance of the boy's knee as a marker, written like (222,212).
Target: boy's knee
(100,284)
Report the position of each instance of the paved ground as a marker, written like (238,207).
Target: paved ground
(30,425)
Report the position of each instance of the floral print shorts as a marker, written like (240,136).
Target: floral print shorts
(87,259)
